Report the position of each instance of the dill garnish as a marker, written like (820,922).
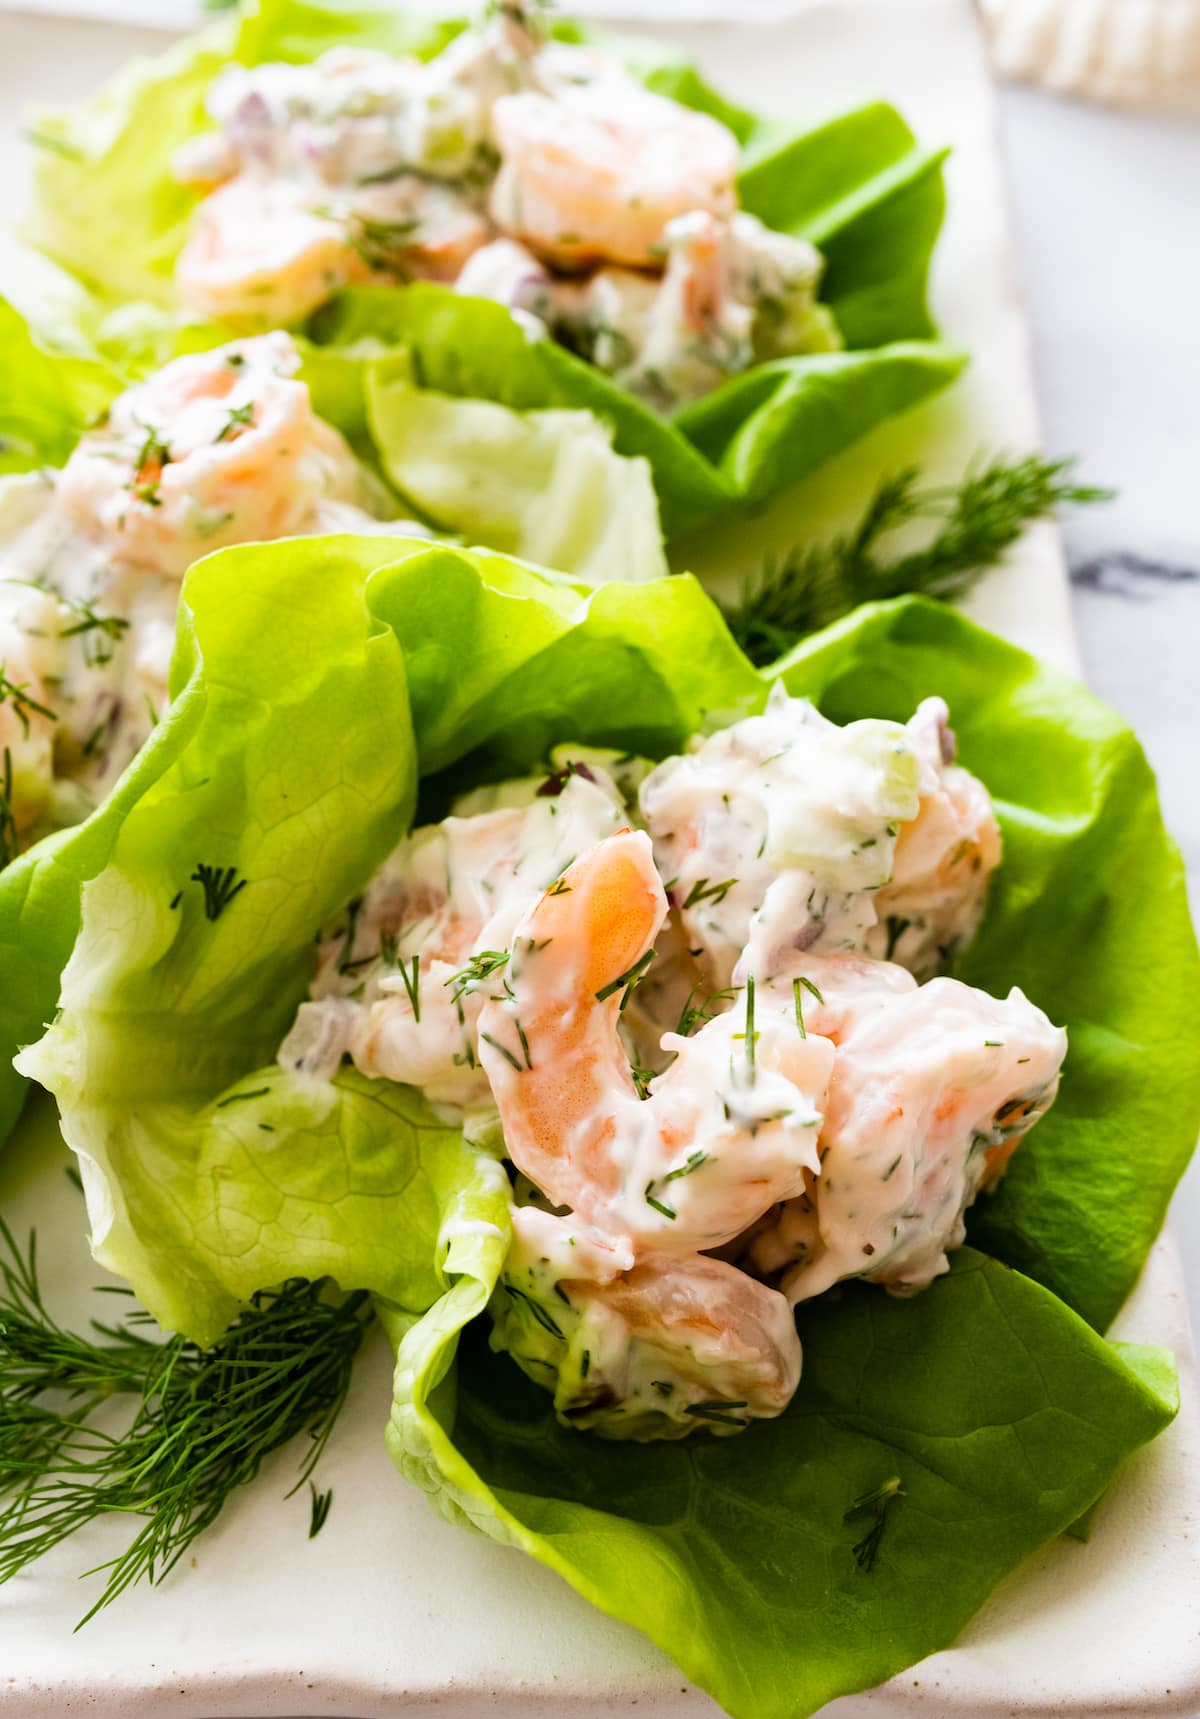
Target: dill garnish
(203,1420)
(240,418)
(718,1412)
(878,1501)
(545,1319)
(658,1205)
(321,1504)
(702,890)
(15,693)
(10,845)
(626,980)
(977,521)
(484,965)
(411,980)
(242,1097)
(503,1050)
(219,887)
(690,1017)
(896,927)
(99,632)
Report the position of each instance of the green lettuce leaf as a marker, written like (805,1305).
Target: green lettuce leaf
(996,1409)
(47,396)
(544,486)
(108,209)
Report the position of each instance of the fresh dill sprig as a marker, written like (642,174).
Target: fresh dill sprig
(203,1420)
(977,521)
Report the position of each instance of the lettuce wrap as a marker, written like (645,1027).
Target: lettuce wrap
(858,185)
(323,688)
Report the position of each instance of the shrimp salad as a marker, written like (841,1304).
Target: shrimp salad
(696,1005)
(216,449)
(536,173)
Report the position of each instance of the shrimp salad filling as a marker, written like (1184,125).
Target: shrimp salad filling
(213,450)
(536,173)
(697,1003)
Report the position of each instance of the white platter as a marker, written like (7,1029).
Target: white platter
(393,1613)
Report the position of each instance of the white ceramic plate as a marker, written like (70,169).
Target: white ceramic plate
(393,1612)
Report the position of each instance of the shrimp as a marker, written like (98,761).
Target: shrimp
(402,978)
(658,1349)
(214,449)
(260,255)
(933,1087)
(781,834)
(594,172)
(944,857)
(718,1137)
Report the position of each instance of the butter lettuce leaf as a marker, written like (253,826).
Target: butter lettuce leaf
(859,185)
(544,486)
(999,1413)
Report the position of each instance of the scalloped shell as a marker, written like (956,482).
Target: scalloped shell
(1137,52)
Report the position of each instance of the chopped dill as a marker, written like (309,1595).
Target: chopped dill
(503,1050)
(10,845)
(219,886)
(896,927)
(16,693)
(242,1097)
(627,980)
(878,1501)
(691,1017)
(483,966)
(544,1318)
(658,1205)
(702,890)
(411,980)
(240,417)
(718,1412)
(321,1504)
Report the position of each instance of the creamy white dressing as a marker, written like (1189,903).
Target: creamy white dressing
(537,173)
(782,833)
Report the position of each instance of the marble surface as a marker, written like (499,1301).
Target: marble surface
(1104,208)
